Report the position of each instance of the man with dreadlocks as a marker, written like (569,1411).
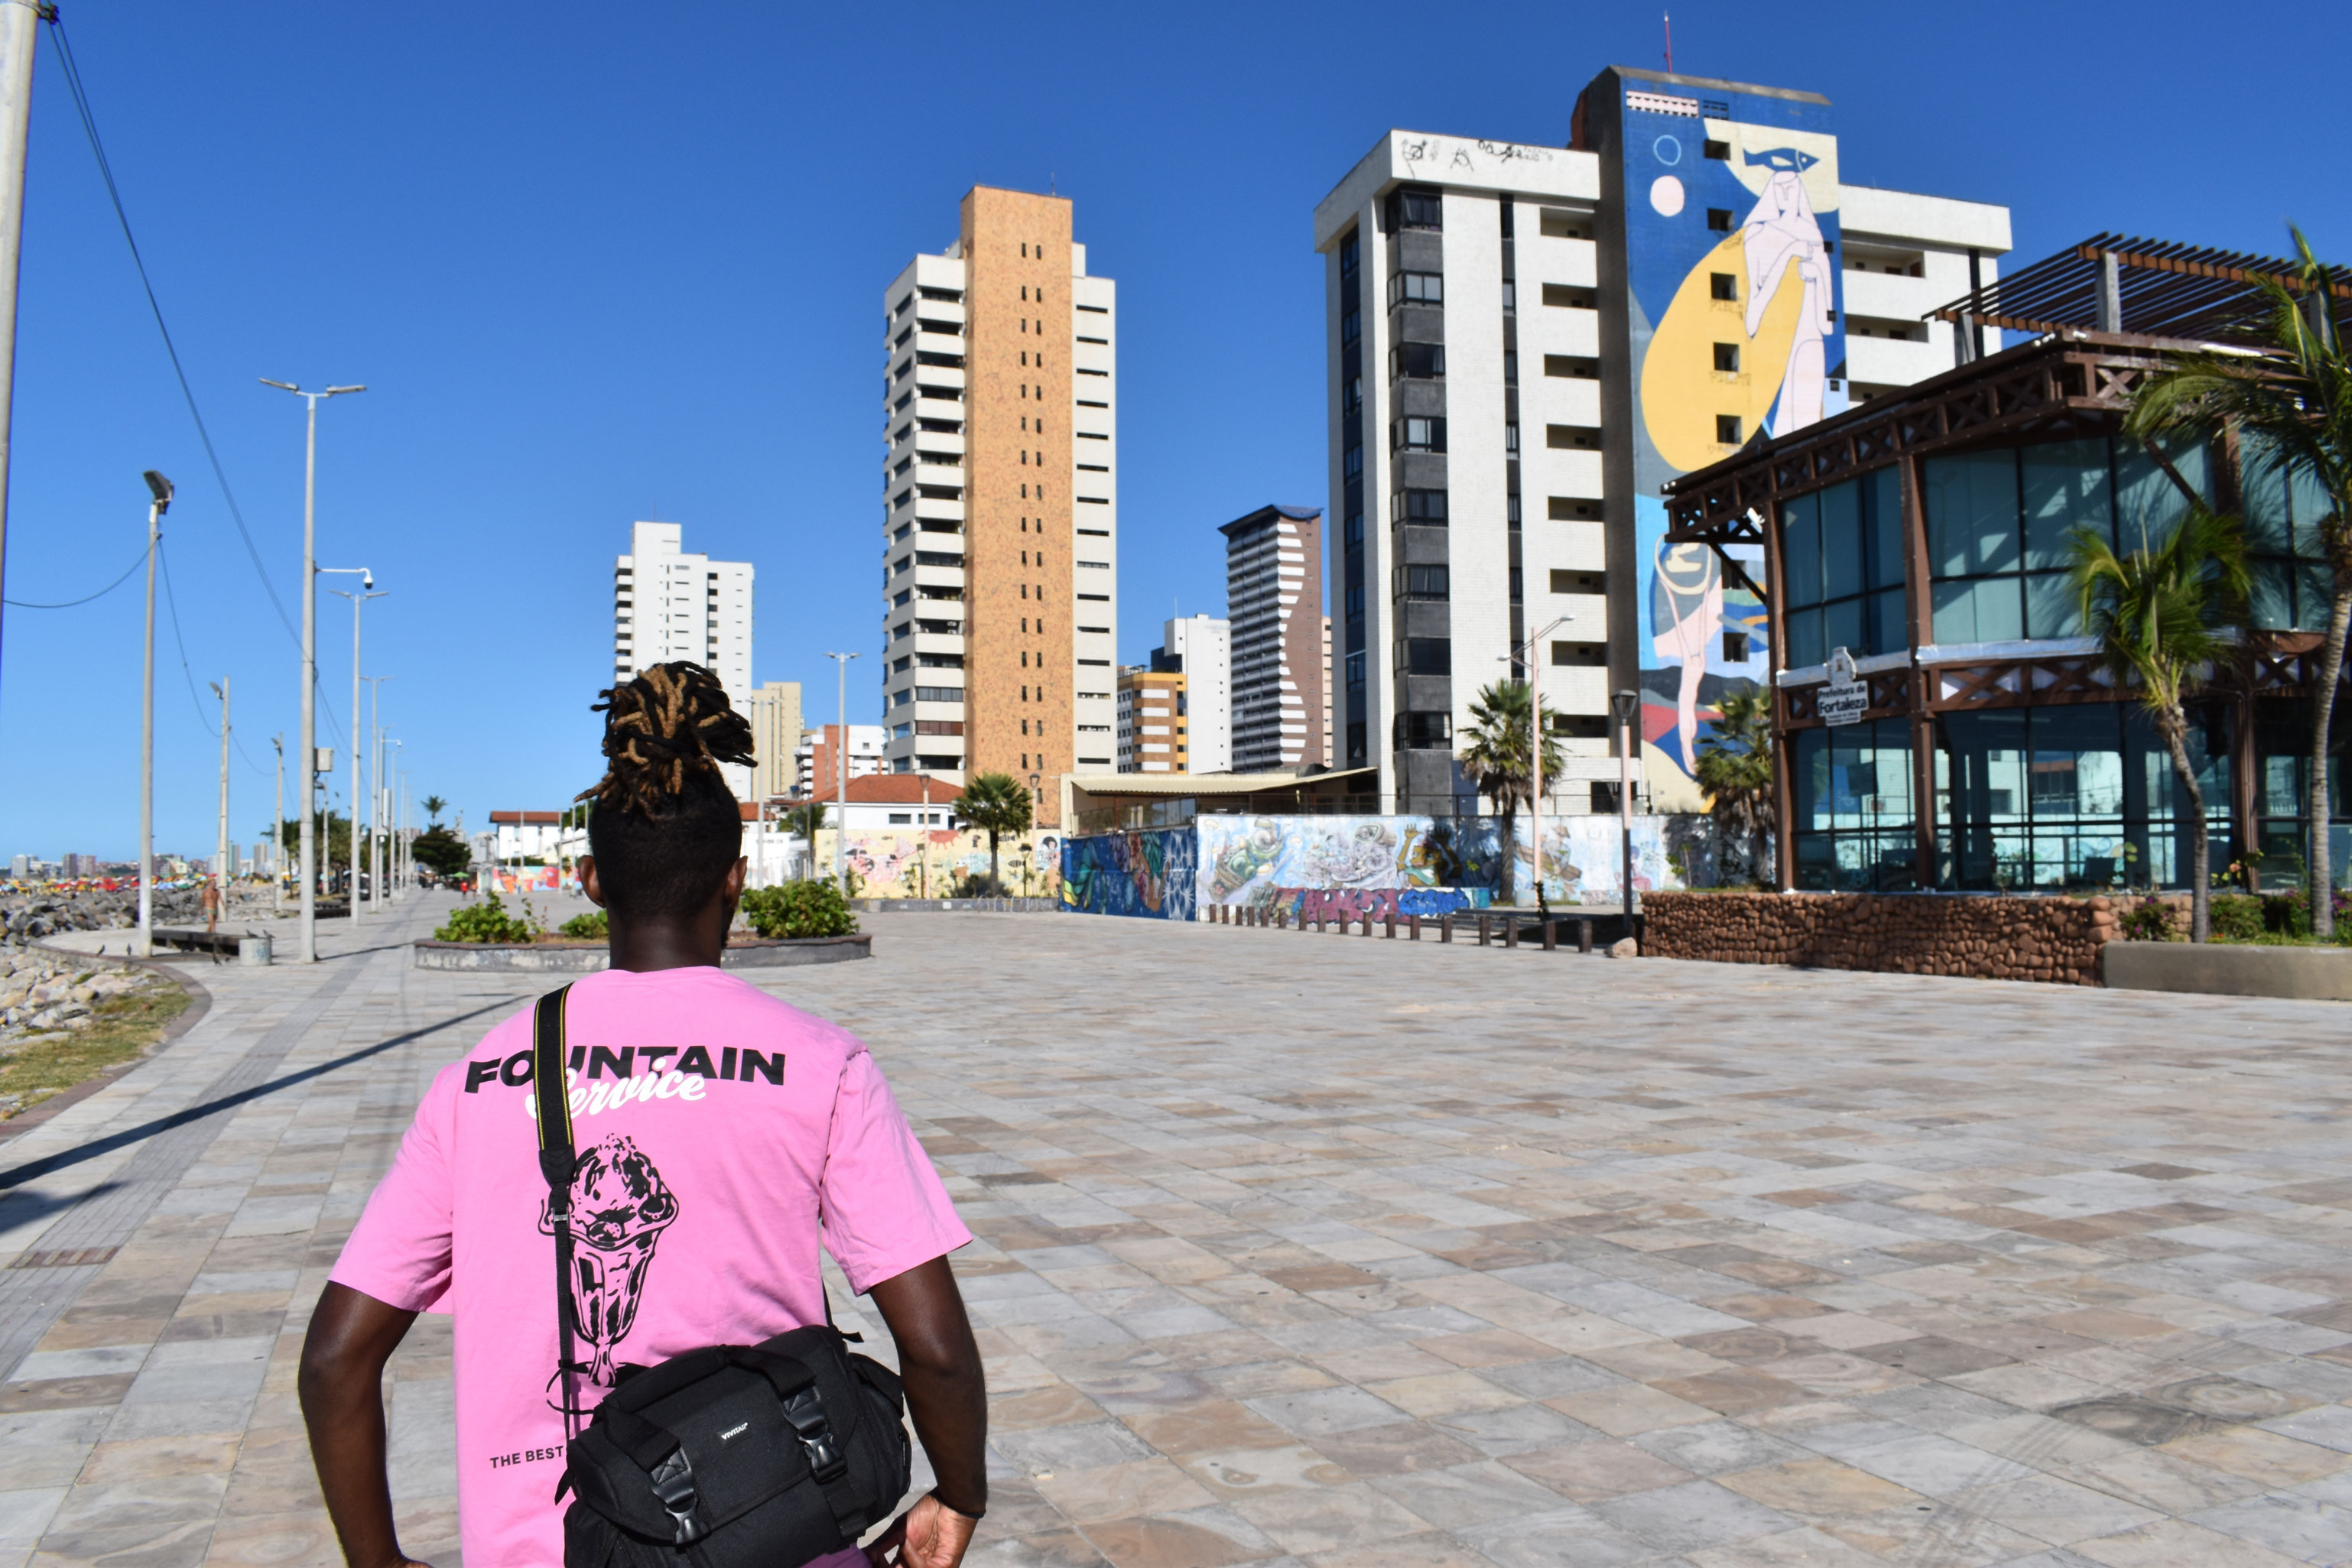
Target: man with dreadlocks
(722,1136)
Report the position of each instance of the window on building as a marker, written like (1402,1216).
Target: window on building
(1511,438)
(1719,219)
(1841,556)
(1351,327)
(1575,581)
(1566,297)
(1726,358)
(1571,365)
(1415,209)
(1510,296)
(1353,666)
(1351,532)
(1718,151)
(1418,507)
(1563,226)
(1727,429)
(1604,798)
(1416,433)
(1572,437)
(1350,257)
(1416,288)
(1425,730)
(2284,508)
(1589,655)
(1424,656)
(1419,582)
(1352,395)
(1723,286)
(1735,647)
(1417,361)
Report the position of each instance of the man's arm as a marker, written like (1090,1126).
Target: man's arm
(946,1395)
(351,1336)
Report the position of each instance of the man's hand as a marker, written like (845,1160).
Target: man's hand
(929,1535)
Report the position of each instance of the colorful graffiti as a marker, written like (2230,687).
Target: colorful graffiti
(528,879)
(917,862)
(1247,861)
(1735,334)
(1307,904)
(1151,873)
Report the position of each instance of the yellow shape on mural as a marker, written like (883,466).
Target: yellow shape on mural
(1681,392)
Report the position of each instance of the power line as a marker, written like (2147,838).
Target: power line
(85,599)
(106,173)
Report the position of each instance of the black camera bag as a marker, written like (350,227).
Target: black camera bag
(759,1456)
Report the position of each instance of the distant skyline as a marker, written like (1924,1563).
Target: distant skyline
(595,271)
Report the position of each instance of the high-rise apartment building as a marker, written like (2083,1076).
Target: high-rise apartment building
(1001,503)
(1526,342)
(775,737)
(1151,724)
(668,605)
(1273,602)
(1201,647)
(817,761)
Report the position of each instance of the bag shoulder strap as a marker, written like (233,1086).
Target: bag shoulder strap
(552,1092)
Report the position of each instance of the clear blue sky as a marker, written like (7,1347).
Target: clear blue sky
(599,263)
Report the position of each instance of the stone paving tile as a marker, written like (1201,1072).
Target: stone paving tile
(1353,1255)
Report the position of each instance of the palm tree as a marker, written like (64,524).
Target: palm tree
(433,807)
(805,820)
(2296,399)
(2159,614)
(1496,753)
(1735,768)
(996,803)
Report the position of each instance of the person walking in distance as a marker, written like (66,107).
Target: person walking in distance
(722,1135)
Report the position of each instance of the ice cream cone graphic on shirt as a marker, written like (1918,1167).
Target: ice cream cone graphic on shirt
(620,1207)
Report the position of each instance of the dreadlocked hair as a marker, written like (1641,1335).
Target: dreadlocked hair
(663,825)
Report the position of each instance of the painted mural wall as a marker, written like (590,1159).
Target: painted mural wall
(1151,873)
(917,862)
(1767,291)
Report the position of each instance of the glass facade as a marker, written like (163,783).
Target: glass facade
(1842,557)
(2051,799)
(1853,807)
(2292,582)
(1998,524)
(2282,785)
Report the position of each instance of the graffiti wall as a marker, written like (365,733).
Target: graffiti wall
(1734,332)
(917,862)
(1152,873)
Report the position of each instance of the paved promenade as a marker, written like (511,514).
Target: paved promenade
(1313,1250)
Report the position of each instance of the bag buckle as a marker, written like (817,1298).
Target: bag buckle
(673,1481)
(805,1411)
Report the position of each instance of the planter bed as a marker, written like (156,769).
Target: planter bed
(586,958)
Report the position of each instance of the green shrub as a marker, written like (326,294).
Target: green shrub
(2150,920)
(488,922)
(799,909)
(592,926)
(2237,917)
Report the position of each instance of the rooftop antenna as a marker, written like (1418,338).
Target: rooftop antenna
(1670,43)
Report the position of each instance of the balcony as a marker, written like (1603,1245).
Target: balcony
(1888,361)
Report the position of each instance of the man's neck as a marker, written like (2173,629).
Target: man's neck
(644,947)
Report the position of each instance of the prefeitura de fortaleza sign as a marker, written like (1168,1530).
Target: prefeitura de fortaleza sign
(1846,696)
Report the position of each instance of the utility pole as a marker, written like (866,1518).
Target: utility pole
(359,739)
(221,854)
(19,22)
(1628,705)
(277,833)
(159,489)
(310,758)
(841,774)
(376,866)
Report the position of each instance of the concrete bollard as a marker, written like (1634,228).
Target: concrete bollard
(1415,923)
(1550,942)
(1485,929)
(1445,928)
(1367,923)
(1584,936)
(1389,922)
(1511,931)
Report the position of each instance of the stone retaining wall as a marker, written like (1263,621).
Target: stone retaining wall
(1992,938)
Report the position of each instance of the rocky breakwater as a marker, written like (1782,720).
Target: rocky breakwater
(28,916)
(48,998)
(2054,940)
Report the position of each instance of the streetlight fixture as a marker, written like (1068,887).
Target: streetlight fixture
(1528,657)
(359,742)
(310,757)
(1628,706)
(841,773)
(277,834)
(376,871)
(160,491)
(221,856)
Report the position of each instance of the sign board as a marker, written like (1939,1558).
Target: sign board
(1845,697)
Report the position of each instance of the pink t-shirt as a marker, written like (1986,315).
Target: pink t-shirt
(721,1134)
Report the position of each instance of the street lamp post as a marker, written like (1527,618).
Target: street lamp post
(395,852)
(1629,709)
(840,773)
(159,489)
(221,850)
(309,769)
(277,833)
(359,599)
(377,863)
(1527,656)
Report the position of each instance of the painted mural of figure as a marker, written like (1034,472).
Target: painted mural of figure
(1782,240)
(1686,613)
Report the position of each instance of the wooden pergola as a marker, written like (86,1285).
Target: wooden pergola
(2076,379)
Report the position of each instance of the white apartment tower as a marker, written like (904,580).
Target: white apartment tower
(1202,647)
(1000,513)
(1524,343)
(668,605)
(1279,652)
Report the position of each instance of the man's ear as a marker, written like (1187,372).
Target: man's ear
(736,876)
(589,884)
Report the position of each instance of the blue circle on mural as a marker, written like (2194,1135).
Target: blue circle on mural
(1668,150)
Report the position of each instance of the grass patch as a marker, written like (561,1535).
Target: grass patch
(124,1028)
